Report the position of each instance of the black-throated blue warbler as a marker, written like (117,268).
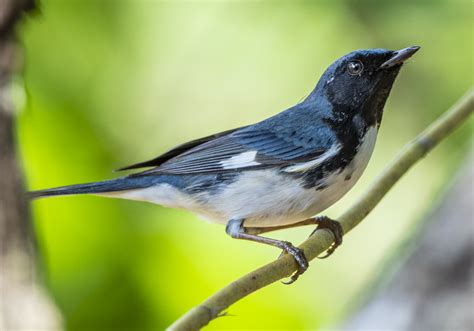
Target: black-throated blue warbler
(277,173)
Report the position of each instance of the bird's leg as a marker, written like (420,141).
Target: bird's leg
(322,222)
(236,229)
(259,230)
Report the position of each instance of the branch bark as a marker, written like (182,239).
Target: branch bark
(432,289)
(23,305)
(202,314)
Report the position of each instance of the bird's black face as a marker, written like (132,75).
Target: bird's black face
(360,82)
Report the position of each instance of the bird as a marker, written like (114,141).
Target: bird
(278,173)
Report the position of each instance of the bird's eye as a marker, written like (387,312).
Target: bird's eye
(355,68)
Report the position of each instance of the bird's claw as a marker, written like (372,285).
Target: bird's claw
(323,222)
(335,227)
(300,258)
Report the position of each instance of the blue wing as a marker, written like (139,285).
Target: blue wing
(283,140)
(176,151)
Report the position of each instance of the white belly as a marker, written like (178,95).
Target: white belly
(263,197)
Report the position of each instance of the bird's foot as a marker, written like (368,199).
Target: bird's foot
(300,258)
(335,227)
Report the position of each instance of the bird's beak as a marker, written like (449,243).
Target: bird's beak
(399,57)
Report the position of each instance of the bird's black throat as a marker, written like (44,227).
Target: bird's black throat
(350,135)
(352,114)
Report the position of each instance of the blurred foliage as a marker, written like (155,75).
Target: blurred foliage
(115,82)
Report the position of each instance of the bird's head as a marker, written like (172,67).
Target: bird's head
(360,82)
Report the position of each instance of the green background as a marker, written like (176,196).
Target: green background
(109,83)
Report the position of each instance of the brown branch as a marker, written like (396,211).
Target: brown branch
(438,274)
(23,304)
(202,314)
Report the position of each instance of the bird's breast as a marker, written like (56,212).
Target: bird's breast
(271,197)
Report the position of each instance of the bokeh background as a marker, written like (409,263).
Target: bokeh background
(109,83)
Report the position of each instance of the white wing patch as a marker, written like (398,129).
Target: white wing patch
(317,161)
(241,160)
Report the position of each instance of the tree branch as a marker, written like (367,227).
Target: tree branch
(24,305)
(437,276)
(202,314)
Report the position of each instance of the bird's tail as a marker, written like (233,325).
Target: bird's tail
(107,186)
